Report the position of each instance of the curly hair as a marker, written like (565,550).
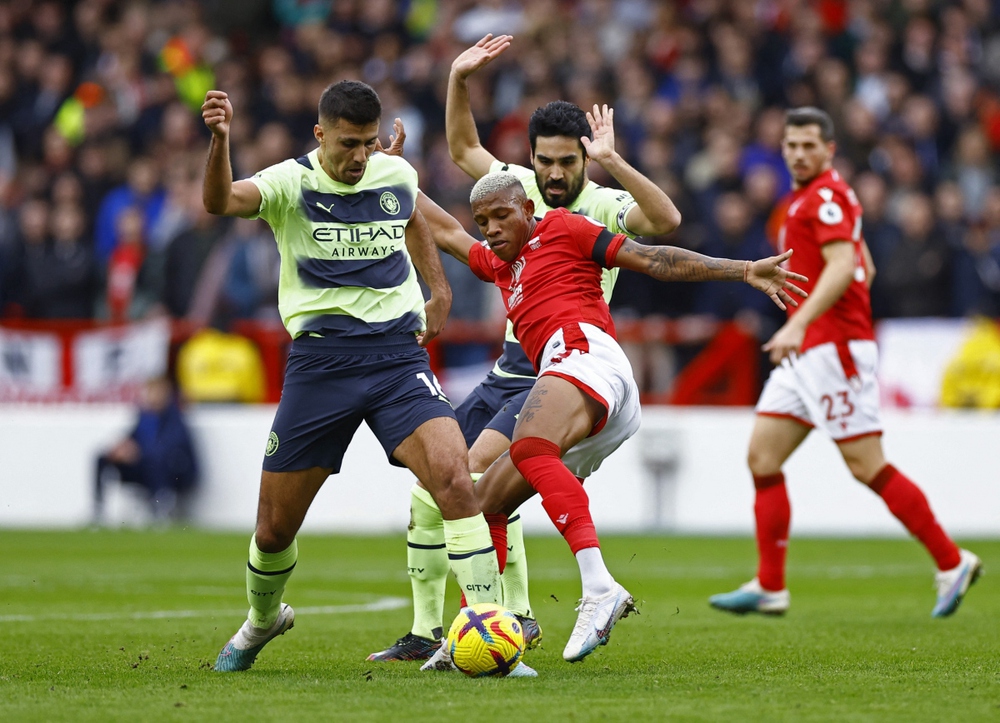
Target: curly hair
(559,118)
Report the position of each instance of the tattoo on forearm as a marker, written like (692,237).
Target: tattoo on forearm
(669,263)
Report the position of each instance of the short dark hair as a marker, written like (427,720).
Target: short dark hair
(558,118)
(352,100)
(809,116)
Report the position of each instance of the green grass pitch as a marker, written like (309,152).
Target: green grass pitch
(125,626)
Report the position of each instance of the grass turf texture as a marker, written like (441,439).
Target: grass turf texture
(84,637)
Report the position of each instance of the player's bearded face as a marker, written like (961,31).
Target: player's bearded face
(805,152)
(504,219)
(344,149)
(560,169)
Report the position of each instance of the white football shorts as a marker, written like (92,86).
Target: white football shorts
(592,360)
(830,386)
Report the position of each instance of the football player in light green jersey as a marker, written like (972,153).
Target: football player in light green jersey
(349,235)
(563,141)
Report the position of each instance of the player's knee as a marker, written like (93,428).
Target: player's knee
(761,462)
(452,487)
(862,470)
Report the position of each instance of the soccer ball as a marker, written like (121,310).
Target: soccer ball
(485,639)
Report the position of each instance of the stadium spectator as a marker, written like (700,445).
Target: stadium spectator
(916,278)
(27,255)
(158,456)
(186,254)
(736,236)
(977,262)
(63,281)
(142,192)
(825,376)
(131,293)
(250,281)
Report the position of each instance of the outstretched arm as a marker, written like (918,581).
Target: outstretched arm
(668,263)
(459,124)
(449,236)
(428,263)
(219,194)
(654,213)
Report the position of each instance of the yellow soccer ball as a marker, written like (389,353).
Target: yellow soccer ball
(485,639)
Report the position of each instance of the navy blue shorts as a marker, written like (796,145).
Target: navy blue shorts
(494,404)
(328,392)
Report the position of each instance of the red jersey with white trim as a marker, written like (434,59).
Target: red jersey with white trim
(824,211)
(556,280)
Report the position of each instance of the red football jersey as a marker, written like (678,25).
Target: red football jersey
(556,280)
(827,210)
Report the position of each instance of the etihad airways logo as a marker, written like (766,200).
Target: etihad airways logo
(359,234)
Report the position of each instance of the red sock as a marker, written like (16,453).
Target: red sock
(774,515)
(562,494)
(498,531)
(905,500)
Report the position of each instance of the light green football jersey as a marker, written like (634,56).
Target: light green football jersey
(610,206)
(345,271)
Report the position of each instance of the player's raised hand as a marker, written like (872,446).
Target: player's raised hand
(602,125)
(767,275)
(480,54)
(395,142)
(217,112)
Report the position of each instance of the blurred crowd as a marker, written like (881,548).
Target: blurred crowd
(102,145)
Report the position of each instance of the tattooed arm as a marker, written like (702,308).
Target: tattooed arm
(669,263)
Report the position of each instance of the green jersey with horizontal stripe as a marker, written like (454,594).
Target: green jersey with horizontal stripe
(610,206)
(345,271)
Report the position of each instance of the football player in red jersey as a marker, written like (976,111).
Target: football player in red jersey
(825,377)
(584,403)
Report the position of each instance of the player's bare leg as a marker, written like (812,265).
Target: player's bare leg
(284,499)
(957,569)
(437,455)
(771,443)
(487,448)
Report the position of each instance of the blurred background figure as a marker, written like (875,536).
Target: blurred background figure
(157,457)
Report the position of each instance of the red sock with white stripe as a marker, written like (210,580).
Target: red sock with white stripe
(773,514)
(905,500)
